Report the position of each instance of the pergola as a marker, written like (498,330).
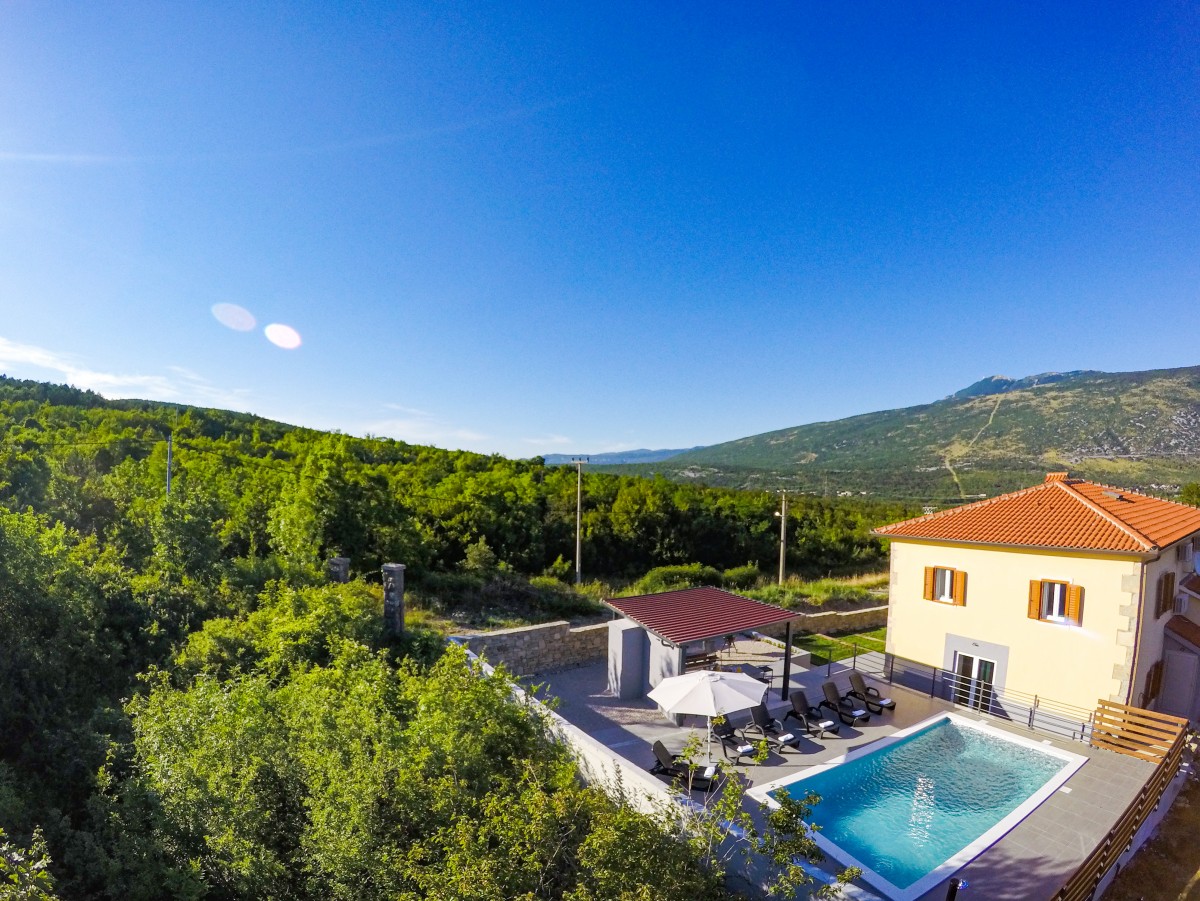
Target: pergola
(699,614)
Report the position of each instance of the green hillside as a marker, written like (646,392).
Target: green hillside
(1136,429)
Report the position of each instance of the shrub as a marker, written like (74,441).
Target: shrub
(669,578)
(741,577)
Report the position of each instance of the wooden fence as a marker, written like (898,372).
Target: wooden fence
(1156,737)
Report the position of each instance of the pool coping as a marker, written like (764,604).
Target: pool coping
(1072,763)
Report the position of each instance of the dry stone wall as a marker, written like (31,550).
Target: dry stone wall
(543,648)
(833,622)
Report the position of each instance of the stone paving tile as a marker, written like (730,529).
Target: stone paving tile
(1031,861)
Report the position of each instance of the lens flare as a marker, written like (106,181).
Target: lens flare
(282,336)
(232,316)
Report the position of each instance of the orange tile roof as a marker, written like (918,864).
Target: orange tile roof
(1059,513)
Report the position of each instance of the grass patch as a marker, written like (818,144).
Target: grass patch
(824,648)
(849,593)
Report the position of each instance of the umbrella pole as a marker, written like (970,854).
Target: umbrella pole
(709,739)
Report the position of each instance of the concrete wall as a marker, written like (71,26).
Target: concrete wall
(542,649)
(833,622)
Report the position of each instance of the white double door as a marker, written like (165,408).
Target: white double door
(973,681)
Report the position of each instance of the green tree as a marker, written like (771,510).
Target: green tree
(23,873)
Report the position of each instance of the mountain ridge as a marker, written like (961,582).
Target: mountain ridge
(1134,429)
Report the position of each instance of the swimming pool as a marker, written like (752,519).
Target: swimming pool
(914,807)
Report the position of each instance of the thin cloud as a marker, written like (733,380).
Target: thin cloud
(71,159)
(412,136)
(551,440)
(411,411)
(182,386)
(425,429)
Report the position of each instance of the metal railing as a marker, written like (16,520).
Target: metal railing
(1033,711)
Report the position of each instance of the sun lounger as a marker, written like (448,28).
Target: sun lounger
(732,743)
(675,766)
(762,722)
(810,717)
(771,730)
(868,695)
(848,712)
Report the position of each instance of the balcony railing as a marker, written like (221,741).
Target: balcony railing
(1034,711)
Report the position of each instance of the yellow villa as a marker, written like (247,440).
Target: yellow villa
(1068,590)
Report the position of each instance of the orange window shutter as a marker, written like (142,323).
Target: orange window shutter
(1035,599)
(1075,604)
(929,573)
(960,587)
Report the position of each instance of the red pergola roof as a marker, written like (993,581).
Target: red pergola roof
(693,614)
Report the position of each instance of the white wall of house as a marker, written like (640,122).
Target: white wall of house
(1066,663)
(1152,640)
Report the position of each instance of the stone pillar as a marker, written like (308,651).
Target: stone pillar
(338,569)
(393,598)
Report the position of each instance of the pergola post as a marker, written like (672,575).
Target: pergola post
(787,661)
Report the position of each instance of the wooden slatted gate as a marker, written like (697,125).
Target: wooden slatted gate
(1146,735)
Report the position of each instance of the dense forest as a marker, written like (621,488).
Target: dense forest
(191,711)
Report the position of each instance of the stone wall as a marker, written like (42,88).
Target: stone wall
(833,622)
(542,649)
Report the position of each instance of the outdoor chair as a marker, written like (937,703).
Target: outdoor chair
(810,717)
(731,742)
(675,766)
(868,695)
(772,731)
(762,722)
(848,712)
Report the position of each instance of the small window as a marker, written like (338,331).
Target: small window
(1165,598)
(1055,602)
(1153,684)
(943,584)
(949,586)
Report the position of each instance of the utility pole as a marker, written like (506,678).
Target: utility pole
(170,435)
(579,461)
(782,539)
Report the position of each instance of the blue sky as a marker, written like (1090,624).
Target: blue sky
(529,228)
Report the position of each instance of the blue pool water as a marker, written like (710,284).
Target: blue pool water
(906,809)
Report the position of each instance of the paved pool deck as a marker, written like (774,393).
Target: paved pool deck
(1031,861)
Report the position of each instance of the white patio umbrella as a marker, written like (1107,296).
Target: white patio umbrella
(708,694)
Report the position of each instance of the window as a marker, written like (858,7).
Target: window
(1153,684)
(1055,602)
(949,586)
(1165,599)
(943,584)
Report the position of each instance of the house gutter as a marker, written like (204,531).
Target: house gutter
(1144,556)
